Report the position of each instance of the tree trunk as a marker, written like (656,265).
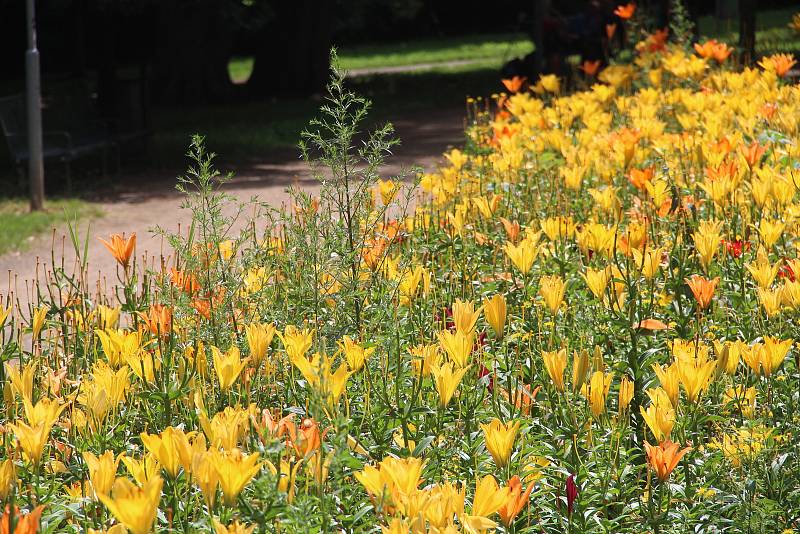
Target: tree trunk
(747,30)
(192,53)
(293,50)
(540,9)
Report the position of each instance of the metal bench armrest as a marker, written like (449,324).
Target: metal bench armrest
(58,137)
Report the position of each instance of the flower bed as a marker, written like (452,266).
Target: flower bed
(585,323)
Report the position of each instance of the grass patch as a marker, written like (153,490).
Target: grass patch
(497,47)
(240,69)
(490,49)
(19,224)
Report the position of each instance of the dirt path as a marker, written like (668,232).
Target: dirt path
(154,201)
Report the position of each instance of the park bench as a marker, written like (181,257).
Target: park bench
(72,128)
(63,145)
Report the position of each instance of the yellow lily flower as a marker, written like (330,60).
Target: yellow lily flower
(228,366)
(499,439)
(134,506)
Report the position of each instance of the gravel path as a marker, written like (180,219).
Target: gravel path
(138,208)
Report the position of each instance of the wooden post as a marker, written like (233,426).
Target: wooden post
(541,7)
(747,31)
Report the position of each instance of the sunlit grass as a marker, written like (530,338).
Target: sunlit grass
(436,54)
(19,224)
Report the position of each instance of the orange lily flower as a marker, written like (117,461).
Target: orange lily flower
(590,68)
(721,52)
(640,178)
(625,11)
(185,281)
(725,170)
(723,146)
(768,110)
(515,84)
(512,229)
(611,29)
(705,50)
(780,63)
(158,319)
(203,307)
(274,428)
(664,457)
(753,153)
(25,524)
(702,289)
(660,36)
(517,500)
(304,440)
(523,398)
(120,248)
(373,252)
(651,324)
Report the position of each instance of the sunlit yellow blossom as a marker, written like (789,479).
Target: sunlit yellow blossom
(597,281)
(580,367)
(234,527)
(625,394)
(599,385)
(119,346)
(762,272)
(4,313)
(142,470)
(556,228)
(227,428)
(235,471)
(259,338)
(172,448)
(500,438)
(355,354)
(32,439)
(37,320)
(771,300)
(102,471)
(108,317)
(296,341)
(21,382)
(8,477)
(669,377)
(489,498)
(134,506)
(425,357)
(770,232)
(552,289)
(695,375)
(465,315)
(522,255)
(555,362)
(765,358)
(707,240)
(228,366)
(494,310)
(743,445)
(457,345)
(388,190)
(447,379)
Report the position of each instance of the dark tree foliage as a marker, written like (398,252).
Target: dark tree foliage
(180,49)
